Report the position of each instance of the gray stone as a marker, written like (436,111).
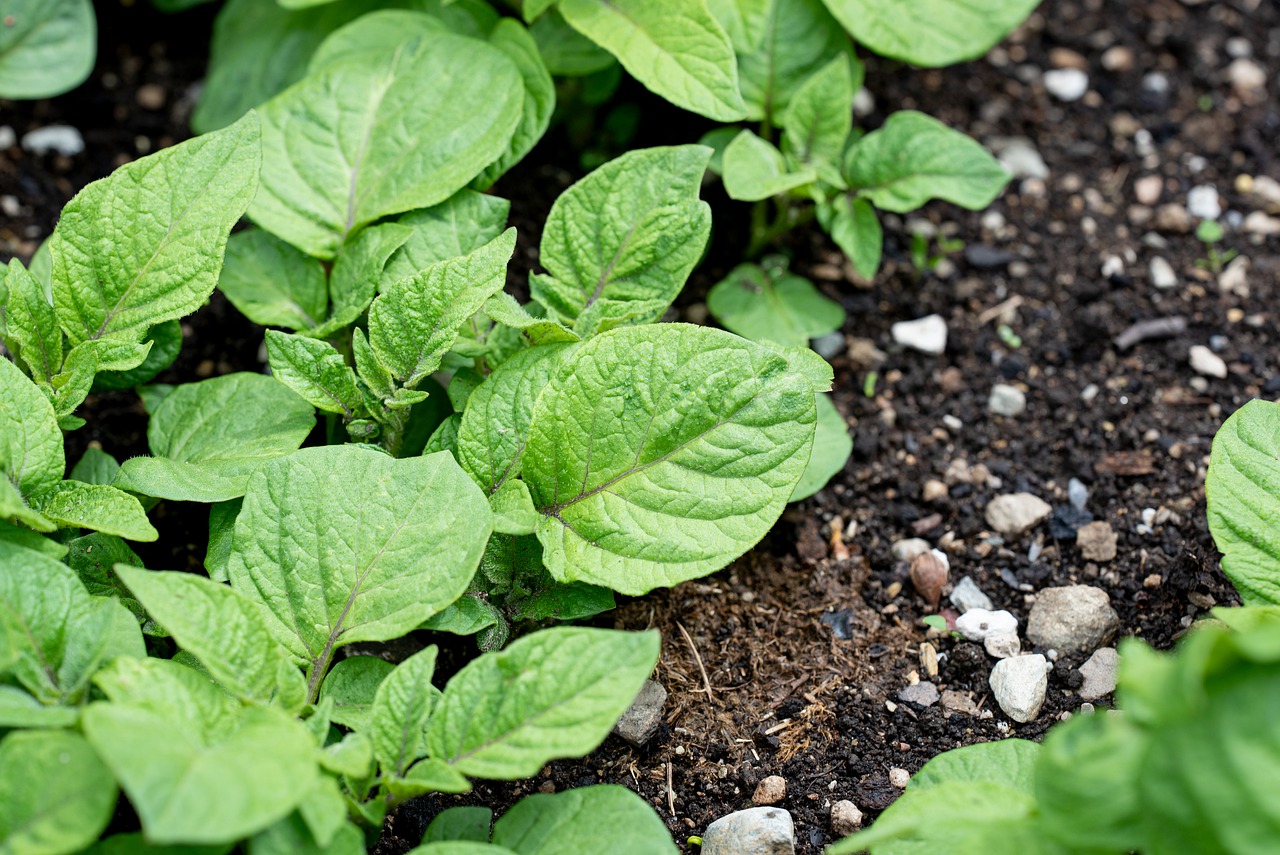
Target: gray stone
(1077,494)
(927,334)
(63,139)
(907,550)
(754,831)
(1099,674)
(1163,275)
(830,345)
(1002,645)
(923,693)
(845,818)
(977,624)
(1097,541)
(1202,201)
(1019,685)
(968,596)
(1006,400)
(1205,362)
(641,720)
(1066,84)
(1020,157)
(1072,619)
(959,702)
(1014,513)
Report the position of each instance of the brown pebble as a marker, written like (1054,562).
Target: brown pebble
(1097,541)
(929,576)
(150,96)
(205,368)
(770,790)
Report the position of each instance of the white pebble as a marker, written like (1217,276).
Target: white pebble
(1204,361)
(927,334)
(1202,201)
(1162,274)
(899,778)
(977,624)
(1066,84)
(1006,400)
(63,139)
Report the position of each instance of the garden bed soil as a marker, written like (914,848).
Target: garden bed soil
(790,661)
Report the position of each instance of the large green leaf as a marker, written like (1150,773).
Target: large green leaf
(915,158)
(555,693)
(346,544)
(401,707)
(458,226)
(47,47)
(145,244)
(603,818)
(61,635)
(357,141)
(56,796)
(31,325)
(351,685)
(819,117)
(72,504)
(782,308)
(510,37)
(754,169)
(136,844)
(659,454)
(198,767)
(674,47)
(1243,491)
(566,52)
(931,32)
(414,322)
(358,273)
(796,39)
(209,437)
(271,283)
(31,455)
(832,446)
(628,233)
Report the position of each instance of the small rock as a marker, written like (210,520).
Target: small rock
(63,139)
(985,257)
(8,139)
(1147,189)
(845,818)
(923,693)
(10,206)
(1072,619)
(1097,541)
(1019,685)
(829,345)
(907,550)
(1006,400)
(929,573)
(1248,79)
(1263,189)
(1235,279)
(1077,494)
(1173,218)
(960,702)
(1067,520)
(1014,513)
(864,103)
(150,96)
(754,831)
(1061,57)
(929,659)
(1020,157)
(977,624)
(1002,645)
(1162,274)
(967,596)
(927,334)
(770,790)
(934,491)
(641,720)
(1066,84)
(899,778)
(1203,202)
(1258,223)
(1204,361)
(1118,59)
(1099,673)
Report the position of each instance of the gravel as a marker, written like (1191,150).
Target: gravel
(1019,685)
(754,831)
(1072,618)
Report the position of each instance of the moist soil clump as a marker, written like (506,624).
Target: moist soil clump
(790,662)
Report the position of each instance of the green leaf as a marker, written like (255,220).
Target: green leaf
(61,634)
(510,37)
(28,539)
(95,467)
(602,818)
(931,33)
(832,446)
(364,135)
(48,48)
(135,844)
(1008,762)
(346,544)
(855,228)
(290,836)
(352,757)
(271,283)
(561,602)
(197,766)
(631,231)
(513,510)
(94,557)
(209,437)
(426,776)
(351,685)
(117,271)
(660,454)
(166,343)
(20,710)
(555,693)
(460,225)
(819,118)
(754,169)
(84,362)
(222,523)
(445,436)
(222,628)
(13,506)
(796,39)
(744,20)
(56,796)
(401,707)
(357,273)
(674,47)
(465,822)
(502,308)
(566,52)
(460,847)
(915,158)
(1242,487)
(467,615)
(782,308)
(31,456)
(370,36)
(315,371)
(72,504)
(414,322)
(31,324)
(495,424)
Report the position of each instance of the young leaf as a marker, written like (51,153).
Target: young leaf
(352,756)
(1244,514)
(510,37)
(832,446)
(915,158)
(674,47)
(166,342)
(659,454)
(503,309)
(797,38)
(290,836)
(346,544)
(465,822)
(457,226)
(72,504)
(754,169)
(315,371)
(31,324)
(28,539)
(20,710)
(785,308)
(48,49)
(513,510)
(401,707)
(225,630)
(56,796)
(632,230)
(351,685)
(94,557)
(271,283)
(467,615)
(414,322)
(222,523)
(116,273)
(363,134)
(819,118)
(495,424)
(357,273)
(555,693)
(31,456)
(209,437)
(856,229)
(566,52)
(602,818)
(931,33)
(426,776)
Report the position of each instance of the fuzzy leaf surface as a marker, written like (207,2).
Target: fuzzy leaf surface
(31,455)
(56,796)
(100,507)
(48,49)
(31,324)
(785,308)
(272,283)
(754,169)
(797,38)
(401,706)
(351,685)
(315,371)
(457,226)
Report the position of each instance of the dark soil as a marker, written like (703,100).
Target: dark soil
(760,683)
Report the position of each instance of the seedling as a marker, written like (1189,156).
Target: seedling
(1209,232)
